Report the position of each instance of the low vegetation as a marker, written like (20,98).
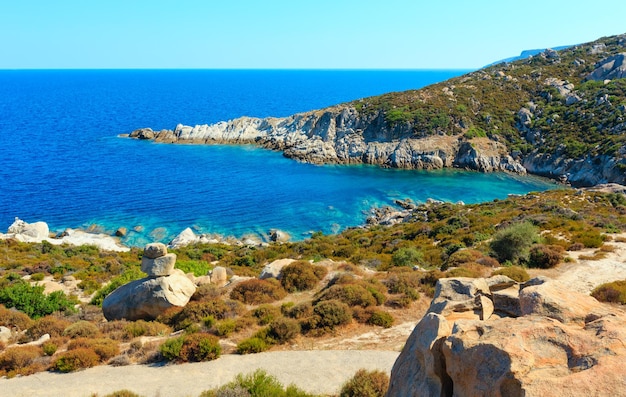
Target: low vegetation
(362,277)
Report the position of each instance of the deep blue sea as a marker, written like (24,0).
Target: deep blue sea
(62,162)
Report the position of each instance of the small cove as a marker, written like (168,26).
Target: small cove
(62,162)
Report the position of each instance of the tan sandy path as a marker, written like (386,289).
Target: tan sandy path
(316,371)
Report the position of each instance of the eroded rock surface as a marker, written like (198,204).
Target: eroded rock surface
(534,339)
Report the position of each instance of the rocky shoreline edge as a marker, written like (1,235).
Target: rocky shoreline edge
(404,211)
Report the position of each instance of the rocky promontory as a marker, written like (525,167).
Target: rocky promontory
(560,114)
(341,135)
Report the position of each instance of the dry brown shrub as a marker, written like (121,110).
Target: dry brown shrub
(81,329)
(105,348)
(255,292)
(52,325)
(12,318)
(18,360)
(76,359)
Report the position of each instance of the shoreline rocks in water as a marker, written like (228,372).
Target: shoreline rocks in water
(39,231)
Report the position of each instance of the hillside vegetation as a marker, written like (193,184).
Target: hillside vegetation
(559,103)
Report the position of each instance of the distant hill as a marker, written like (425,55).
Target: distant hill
(527,53)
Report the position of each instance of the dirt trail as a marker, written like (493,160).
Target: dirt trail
(317,371)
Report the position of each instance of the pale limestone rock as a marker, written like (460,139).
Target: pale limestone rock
(613,67)
(419,370)
(561,344)
(272,270)
(5,334)
(551,299)
(154,250)
(185,238)
(219,276)
(121,232)
(29,232)
(161,266)
(146,298)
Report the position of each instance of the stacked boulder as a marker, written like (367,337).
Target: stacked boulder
(496,337)
(146,298)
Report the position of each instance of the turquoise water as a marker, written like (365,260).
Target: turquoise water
(62,162)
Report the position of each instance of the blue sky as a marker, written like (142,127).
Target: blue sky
(321,34)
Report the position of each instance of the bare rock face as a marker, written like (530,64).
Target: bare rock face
(272,270)
(540,340)
(613,67)
(146,298)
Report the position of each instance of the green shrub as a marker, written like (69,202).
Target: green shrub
(76,359)
(381,319)
(462,256)
(225,327)
(283,330)
(301,276)
(149,328)
(255,292)
(351,294)
(590,239)
(366,384)
(513,243)
(614,292)
(37,277)
(198,268)
(545,256)
(516,273)
(196,312)
(257,384)
(265,314)
(327,315)
(407,257)
(171,348)
(299,311)
(252,345)
(191,347)
(123,393)
(49,348)
(200,347)
(81,328)
(32,300)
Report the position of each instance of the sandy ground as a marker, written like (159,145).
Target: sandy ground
(317,371)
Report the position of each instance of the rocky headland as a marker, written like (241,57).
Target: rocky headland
(559,114)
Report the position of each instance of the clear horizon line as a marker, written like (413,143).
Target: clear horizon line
(247,69)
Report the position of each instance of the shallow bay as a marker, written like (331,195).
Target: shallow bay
(62,162)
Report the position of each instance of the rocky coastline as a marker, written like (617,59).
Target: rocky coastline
(557,114)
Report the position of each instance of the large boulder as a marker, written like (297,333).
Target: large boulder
(29,232)
(146,298)
(541,340)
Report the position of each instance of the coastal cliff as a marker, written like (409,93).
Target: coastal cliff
(341,135)
(560,114)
